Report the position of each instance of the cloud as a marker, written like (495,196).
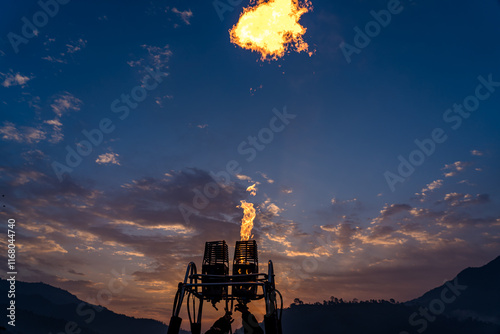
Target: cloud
(54,60)
(457,199)
(135,63)
(108,158)
(10,132)
(266,177)
(455,168)
(76,46)
(158,56)
(253,90)
(243,177)
(270,208)
(477,153)
(139,227)
(393,209)
(50,130)
(32,135)
(56,136)
(463,221)
(342,209)
(11,79)
(64,103)
(33,156)
(335,201)
(390,210)
(381,235)
(72,271)
(429,188)
(344,235)
(25,176)
(160,99)
(40,244)
(184,15)
(24,134)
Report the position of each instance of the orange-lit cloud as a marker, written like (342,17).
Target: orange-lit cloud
(271,27)
(252,189)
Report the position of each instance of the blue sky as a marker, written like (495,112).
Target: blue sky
(321,177)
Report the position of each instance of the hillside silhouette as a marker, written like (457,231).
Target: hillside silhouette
(41,308)
(475,309)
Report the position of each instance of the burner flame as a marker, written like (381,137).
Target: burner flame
(248,215)
(271,27)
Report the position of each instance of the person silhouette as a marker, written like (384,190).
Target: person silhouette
(222,325)
(250,324)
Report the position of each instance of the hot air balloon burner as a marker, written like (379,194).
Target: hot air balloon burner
(215,264)
(245,268)
(215,284)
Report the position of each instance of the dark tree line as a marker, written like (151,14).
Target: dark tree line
(339,301)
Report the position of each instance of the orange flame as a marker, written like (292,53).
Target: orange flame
(248,215)
(247,221)
(271,27)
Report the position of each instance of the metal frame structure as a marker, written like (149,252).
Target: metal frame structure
(192,290)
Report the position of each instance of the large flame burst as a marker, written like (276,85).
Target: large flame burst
(270,27)
(248,215)
(247,221)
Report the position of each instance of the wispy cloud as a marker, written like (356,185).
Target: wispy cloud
(477,153)
(266,177)
(14,79)
(455,168)
(64,103)
(391,210)
(243,177)
(429,188)
(56,136)
(108,159)
(253,90)
(185,15)
(458,199)
(336,201)
(158,56)
(76,46)
(24,134)
(286,190)
(54,60)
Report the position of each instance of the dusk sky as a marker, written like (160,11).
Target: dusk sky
(376,155)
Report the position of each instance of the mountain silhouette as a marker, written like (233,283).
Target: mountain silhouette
(479,294)
(470,304)
(41,308)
